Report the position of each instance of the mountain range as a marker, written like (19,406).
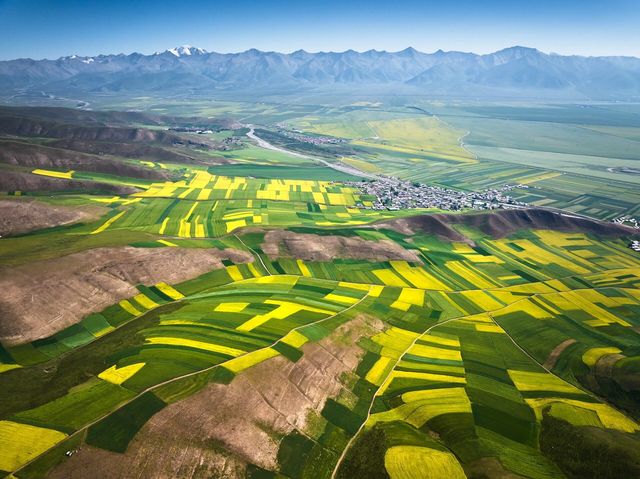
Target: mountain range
(513,72)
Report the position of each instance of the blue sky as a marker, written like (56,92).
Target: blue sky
(50,29)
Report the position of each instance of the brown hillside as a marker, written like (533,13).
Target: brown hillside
(26,182)
(500,223)
(71,287)
(23,215)
(36,156)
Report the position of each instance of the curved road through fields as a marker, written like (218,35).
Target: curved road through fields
(336,166)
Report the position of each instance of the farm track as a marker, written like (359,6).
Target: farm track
(338,167)
(254,253)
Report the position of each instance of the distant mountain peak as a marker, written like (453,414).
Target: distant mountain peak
(78,58)
(192,69)
(518,50)
(186,51)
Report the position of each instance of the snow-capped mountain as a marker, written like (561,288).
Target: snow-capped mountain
(512,72)
(186,50)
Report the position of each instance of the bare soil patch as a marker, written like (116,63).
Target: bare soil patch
(21,216)
(44,297)
(37,156)
(431,224)
(501,223)
(490,467)
(552,359)
(504,222)
(604,366)
(310,247)
(26,182)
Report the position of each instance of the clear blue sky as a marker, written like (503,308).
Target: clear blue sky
(50,29)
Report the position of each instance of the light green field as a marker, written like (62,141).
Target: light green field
(526,144)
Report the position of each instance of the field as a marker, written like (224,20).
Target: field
(323,340)
(571,157)
(434,364)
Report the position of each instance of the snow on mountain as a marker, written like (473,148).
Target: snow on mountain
(506,72)
(186,50)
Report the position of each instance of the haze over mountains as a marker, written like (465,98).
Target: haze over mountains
(188,70)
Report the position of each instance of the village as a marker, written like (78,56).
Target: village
(305,138)
(627,221)
(395,194)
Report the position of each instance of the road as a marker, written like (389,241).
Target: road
(336,166)
(268,146)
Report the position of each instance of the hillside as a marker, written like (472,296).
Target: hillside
(504,223)
(40,148)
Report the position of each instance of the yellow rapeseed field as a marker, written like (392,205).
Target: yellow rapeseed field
(169,291)
(389,278)
(420,406)
(118,375)
(145,301)
(378,371)
(408,297)
(231,307)
(191,343)
(234,273)
(303,268)
(609,417)
(251,359)
(532,381)
(22,442)
(414,462)
(54,174)
(591,356)
(129,308)
(295,339)
(338,298)
(283,311)
(418,277)
(108,223)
